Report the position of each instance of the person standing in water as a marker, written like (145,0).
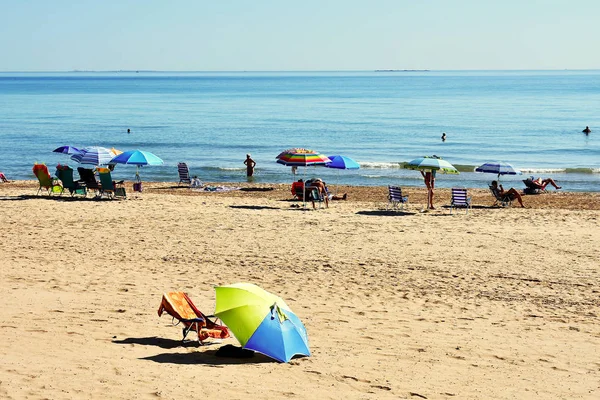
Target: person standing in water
(250,164)
(587,130)
(443,136)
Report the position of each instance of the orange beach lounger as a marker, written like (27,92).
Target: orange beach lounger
(179,306)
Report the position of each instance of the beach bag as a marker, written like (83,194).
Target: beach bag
(137,186)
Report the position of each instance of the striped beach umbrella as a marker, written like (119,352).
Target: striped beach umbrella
(303,159)
(70,150)
(94,155)
(499,168)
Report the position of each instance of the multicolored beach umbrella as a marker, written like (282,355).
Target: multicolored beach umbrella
(302,158)
(66,150)
(94,155)
(261,321)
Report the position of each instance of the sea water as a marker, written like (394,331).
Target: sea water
(531,119)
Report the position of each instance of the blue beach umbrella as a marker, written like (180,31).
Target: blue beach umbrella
(261,321)
(499,168)
(137,158)
(66,150)
(342,162)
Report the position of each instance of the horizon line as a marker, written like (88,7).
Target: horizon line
(297,71)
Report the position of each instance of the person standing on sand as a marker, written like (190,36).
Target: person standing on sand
(250,164)
(429,178)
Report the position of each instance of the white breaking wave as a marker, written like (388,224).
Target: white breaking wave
(380,165)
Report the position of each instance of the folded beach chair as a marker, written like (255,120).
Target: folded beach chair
(460,199)
(109,187)
(395,197)
(88,177)
(184,174)
(504,201)
(179,306)
(533,187)
(65,174)
(48,183)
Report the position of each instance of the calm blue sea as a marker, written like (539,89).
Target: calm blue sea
(532,119)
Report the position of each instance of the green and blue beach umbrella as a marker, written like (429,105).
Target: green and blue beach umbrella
(261,321)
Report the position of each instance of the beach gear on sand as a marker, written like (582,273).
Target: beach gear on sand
(499,168)
(65,174)
(396,198)
(179,306)
(48,183)
(432,164)
(460,199)
(261,321)
(109,187)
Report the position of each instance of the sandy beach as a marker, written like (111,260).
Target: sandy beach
(502,303)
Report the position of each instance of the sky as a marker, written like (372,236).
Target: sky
(307,35)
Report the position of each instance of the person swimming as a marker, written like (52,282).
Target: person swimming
(587,130)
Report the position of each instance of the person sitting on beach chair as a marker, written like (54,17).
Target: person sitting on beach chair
(501,195)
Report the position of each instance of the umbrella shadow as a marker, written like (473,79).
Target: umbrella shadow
(389,213)
(255,207)
(207,357)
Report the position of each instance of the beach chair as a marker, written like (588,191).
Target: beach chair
(184,174)
(503,201)
(48,183)
(109,187)
(460,199)
(395,197)
(533,187)
(65,174)
(181,308)
(88,177)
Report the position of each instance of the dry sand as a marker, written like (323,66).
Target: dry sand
(499,303)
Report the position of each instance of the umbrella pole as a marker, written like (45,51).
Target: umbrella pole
(304,189)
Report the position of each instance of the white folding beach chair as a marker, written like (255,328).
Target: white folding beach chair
(395,197)
(460,199)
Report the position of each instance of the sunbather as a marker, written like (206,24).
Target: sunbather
(512,193)
(542,183)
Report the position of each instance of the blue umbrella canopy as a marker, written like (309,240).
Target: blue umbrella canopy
(499,168)
(342,162)
(66,150)
(137,157)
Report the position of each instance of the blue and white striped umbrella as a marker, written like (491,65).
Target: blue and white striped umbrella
(66,150)
(499,168)
(94,155)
